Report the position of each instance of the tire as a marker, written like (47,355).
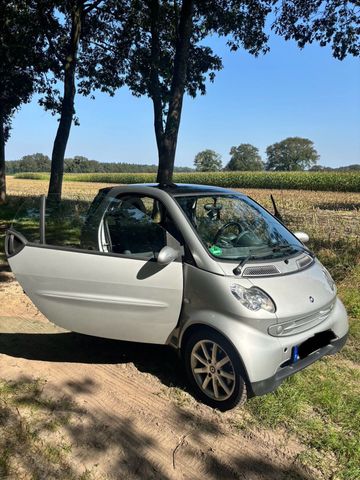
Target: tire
(221,383)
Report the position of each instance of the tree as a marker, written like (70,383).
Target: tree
(207,161)
(37,162)
(76,32)
(169,56)
(245,157)
(80,164)
(20,67)
(293,153)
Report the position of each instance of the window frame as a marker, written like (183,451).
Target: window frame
(170,239)
(231,194)
(99,214)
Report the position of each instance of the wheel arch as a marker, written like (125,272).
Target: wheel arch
(193,327)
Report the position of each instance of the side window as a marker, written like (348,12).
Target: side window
(132,226)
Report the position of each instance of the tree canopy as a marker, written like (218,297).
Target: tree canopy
(37,162)
(207,161)
(245,157)
(293,153)
(334,22)
(21,66)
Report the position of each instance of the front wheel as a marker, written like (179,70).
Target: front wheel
(214,370)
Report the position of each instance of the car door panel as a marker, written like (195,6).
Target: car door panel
(102,295)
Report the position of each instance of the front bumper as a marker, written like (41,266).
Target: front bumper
(269,384)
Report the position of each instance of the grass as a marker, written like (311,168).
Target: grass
(321,407)
(30,423)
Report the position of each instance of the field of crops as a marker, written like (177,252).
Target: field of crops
(320,181)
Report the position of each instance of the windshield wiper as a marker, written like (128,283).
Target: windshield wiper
(276,248)
(286,246)
(237,270)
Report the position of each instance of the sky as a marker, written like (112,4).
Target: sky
(287,92)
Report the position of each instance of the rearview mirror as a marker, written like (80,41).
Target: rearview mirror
(167,255)
(302,236)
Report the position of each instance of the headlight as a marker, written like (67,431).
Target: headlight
(329,280)
(253,298)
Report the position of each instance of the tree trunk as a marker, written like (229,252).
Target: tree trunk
(67,107)
(155,82)
(2,159)
(168,142)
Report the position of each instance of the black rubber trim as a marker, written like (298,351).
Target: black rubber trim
(9,242)
(42,218)
(271,383)
(71,249)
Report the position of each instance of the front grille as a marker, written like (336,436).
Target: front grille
(261,270)
(300,324)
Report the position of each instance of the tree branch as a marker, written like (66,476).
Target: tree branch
(180,67)
(91,6)
(104,46)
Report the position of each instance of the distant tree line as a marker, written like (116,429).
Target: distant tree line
(355,167)
(38,162)
(291,154)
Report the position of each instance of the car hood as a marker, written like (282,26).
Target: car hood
(295,293)
(299,293)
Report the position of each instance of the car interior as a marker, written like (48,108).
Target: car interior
(137,225)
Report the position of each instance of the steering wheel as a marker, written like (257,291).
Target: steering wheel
(221,230)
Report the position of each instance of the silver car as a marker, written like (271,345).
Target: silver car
(203,269)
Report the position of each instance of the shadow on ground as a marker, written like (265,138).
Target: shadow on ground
(5,273)
(158,360)
(339,206)
(113,442)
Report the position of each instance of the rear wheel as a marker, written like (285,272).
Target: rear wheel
(214,370)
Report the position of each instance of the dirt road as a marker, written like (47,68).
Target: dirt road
(131,416)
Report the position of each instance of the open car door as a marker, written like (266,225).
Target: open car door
(119,291)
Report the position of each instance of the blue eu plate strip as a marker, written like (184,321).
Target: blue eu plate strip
(295,354)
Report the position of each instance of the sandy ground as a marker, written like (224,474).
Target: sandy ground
(133,417)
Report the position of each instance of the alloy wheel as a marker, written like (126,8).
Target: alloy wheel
(213,370)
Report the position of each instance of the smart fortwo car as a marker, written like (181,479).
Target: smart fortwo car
(204,269)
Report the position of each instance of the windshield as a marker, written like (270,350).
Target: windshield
(234,227)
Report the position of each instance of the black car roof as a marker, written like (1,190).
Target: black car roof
(179,188)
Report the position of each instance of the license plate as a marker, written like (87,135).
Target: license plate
(311,345)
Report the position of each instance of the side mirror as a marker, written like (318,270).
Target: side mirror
(167,255)
(302,236)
